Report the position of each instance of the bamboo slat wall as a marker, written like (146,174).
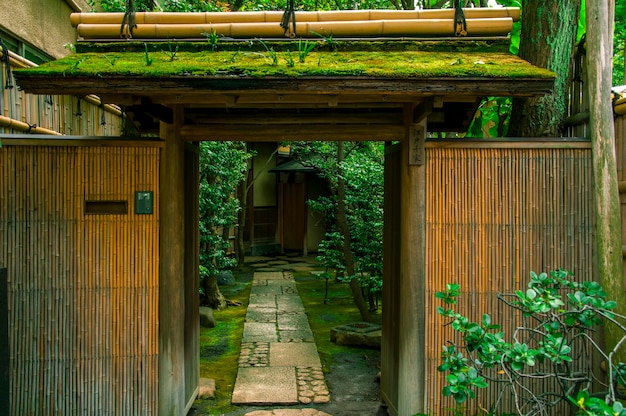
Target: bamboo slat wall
(63,114)
(83,288)
(492,216)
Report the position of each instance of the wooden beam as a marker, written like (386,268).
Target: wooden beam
(155,111)
(280,117)
(423,110)
(222,100)
(251,132)
(411,374)
(171,266)
(145,86)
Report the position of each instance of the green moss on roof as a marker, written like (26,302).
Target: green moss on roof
(254,63)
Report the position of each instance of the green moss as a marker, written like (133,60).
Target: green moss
(219,351)
(252,63)
(255,45)
(338,310)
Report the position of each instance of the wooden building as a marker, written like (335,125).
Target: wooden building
(483,214)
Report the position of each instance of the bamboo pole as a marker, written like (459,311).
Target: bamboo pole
(275,16)
(357,28)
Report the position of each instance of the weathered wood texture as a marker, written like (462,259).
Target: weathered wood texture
(192,273)
(412,273)
(172,400)
(492,216)
(83,289)
(389,365)
(56,113)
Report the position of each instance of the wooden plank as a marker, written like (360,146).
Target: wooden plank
(266,133)
(411,374)
(191,273)
(149,87)
(172,262)
(298,117)
(389,360)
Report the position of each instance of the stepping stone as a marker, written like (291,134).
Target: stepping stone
(265,385)
(292,322)
(295,336)
(271,275)
(259,332)
(260,314)
(289,303)
(284,354)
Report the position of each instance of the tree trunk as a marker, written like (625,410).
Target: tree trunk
(608,246)
(242,194)
(213,298)
(547,40)
(342,223)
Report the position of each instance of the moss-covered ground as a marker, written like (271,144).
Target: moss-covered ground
(220,346)
(339,309)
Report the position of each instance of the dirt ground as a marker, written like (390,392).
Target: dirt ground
(353,384)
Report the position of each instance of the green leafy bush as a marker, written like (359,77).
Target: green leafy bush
(560,317)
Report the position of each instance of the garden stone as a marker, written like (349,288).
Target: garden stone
(363,334)
(226,278)
(207,320)
(206,388)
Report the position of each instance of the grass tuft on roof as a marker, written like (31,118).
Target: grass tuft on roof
(391,59)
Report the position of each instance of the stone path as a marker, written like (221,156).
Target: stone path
(278,363)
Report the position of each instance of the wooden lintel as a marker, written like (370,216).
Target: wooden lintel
(156,111)
(337,116)
(438,101)
(120,99)
(182,85)
(231,100)
(251,132)
(423,110)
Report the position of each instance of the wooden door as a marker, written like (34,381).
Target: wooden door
(294,215)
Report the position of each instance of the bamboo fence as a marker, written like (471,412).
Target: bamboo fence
(53,114)
(494,214)
(83,289)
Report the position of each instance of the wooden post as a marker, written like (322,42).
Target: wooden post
(192,273)
(391,271)
(171,271)
(411,375)
(4,344)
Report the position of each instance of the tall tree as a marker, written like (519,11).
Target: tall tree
(354,175)
(222,167)
(607,205)
(547,39)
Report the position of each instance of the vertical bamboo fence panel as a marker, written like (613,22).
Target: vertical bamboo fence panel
(495,213)
(81,116)
(83,288)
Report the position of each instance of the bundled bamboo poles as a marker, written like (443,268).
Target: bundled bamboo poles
(494,213)
(354,23)
(83,289)
(54,115)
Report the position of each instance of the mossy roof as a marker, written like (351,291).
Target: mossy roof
(282,59)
